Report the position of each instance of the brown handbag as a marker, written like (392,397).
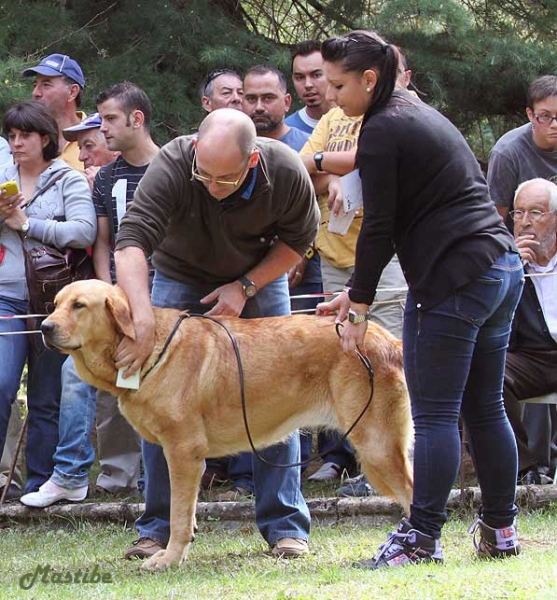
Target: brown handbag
(48,269)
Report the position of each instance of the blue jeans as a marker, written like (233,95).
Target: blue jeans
(454,359)
(43,392)
(280,508)
(75,453)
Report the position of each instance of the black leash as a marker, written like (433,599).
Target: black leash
(364,360)
(181,317)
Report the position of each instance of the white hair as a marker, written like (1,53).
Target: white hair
(549,185)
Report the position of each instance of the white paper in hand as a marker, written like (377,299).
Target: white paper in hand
(340,224)
(130,383)
(351,186)
(352,199)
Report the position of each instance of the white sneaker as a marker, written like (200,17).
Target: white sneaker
(327,472)
(49,493)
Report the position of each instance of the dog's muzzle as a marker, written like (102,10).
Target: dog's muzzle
(52,339)
(48,330)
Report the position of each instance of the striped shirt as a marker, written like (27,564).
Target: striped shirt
(124,180)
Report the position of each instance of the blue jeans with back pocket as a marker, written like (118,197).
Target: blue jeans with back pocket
(454,360)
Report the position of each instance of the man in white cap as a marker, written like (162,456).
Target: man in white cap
(59,83)
(93,151)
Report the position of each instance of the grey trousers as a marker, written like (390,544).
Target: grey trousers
(119,447)
(392,289)
(14,429)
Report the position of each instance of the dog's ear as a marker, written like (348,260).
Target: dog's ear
(119,308)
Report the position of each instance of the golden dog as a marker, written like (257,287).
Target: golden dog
(189,402)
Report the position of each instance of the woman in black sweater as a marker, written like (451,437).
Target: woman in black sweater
(425,198)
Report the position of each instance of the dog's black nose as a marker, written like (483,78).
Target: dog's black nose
(47,326)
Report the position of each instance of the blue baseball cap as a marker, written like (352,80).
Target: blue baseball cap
(92,121)
(58,65)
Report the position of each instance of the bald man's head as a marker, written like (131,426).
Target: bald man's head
(225,151)
(228,126)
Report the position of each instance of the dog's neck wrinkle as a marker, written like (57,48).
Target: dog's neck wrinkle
(96,366)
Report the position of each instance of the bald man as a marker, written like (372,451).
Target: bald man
(224,216)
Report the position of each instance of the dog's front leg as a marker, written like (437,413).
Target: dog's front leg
(185,468)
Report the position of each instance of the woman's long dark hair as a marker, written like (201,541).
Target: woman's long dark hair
(361,50)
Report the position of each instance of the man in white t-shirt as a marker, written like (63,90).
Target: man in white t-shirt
(531,364)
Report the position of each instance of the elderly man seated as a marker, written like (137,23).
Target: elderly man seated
(531,367)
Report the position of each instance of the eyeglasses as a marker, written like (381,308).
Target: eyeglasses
(545,119)
(204,179)
(535,215)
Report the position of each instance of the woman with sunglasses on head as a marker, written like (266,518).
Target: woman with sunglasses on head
(425,198)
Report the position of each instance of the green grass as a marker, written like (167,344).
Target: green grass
(233,564)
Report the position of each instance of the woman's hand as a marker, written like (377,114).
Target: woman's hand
(10,212)
(338,306)
(352,337)
(351,334)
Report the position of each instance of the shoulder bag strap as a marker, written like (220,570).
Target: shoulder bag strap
(56,178)
(41,191)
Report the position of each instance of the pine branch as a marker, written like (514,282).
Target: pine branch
(87,25)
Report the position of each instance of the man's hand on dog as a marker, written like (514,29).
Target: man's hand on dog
(133,353)
(229,298)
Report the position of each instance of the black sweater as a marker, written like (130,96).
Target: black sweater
(530,330)
(426,199)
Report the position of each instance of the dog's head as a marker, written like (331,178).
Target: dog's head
(87,313)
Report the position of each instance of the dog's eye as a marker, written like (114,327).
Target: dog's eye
(78,305)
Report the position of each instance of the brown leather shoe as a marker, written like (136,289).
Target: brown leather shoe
(290,548)
(143,548)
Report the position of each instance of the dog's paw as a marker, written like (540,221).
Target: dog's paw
(160,561)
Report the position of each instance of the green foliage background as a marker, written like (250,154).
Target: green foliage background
(471,59)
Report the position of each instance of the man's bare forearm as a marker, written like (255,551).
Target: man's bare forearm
(132,274)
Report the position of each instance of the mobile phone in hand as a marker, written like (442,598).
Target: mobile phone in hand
(9,188)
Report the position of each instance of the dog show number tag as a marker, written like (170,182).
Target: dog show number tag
(130,383)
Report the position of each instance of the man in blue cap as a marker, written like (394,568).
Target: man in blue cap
(59,83)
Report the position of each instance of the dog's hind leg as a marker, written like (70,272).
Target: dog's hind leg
(185,467)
